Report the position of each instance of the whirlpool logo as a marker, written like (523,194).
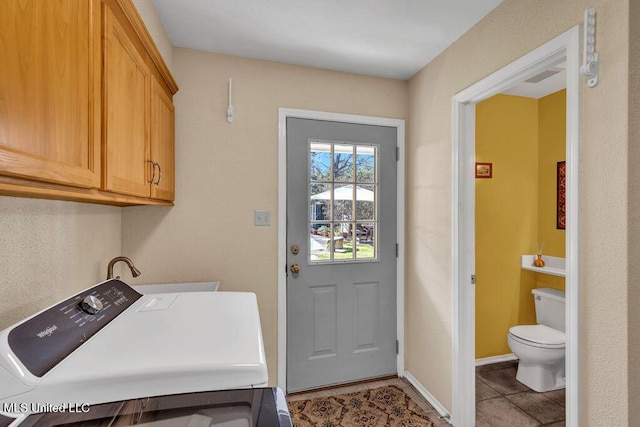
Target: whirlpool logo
(47,332)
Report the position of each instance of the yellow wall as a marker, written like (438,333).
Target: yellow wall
(551,150)
(506,218)
(524,138)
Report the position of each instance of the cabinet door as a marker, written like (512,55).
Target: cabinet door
(50,91)
(126,86)
(162,142)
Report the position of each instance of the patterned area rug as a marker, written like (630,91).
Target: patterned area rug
(379,407)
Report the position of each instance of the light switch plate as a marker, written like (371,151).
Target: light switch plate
(262,217)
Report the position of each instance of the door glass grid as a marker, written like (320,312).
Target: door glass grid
(343,200)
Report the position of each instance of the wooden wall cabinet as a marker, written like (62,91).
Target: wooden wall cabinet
(50,91)
(86,104)
(126,96)
(139,119)
(162,143)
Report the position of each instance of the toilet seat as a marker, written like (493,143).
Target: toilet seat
(538,336)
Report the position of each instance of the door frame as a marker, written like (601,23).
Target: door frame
(566,45)
(283,114)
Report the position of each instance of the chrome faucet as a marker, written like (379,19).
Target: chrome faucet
(134,271)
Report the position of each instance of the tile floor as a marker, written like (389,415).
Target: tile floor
(503,401)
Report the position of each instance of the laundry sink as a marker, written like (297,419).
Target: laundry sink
(163,288)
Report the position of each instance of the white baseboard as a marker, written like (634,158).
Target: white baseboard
(496,359)
(430,398)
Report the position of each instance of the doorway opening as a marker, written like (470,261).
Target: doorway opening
(520,139)
(562,49)
(333,209)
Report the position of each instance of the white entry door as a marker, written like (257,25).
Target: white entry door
(341,252)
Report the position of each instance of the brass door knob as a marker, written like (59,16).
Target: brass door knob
(295,268)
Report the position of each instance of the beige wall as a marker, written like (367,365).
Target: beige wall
(633,306)
(50,250)
(510,31)
(225,171)
(149,14)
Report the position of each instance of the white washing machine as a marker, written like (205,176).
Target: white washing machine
(110,348)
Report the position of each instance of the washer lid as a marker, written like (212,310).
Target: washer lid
(539,334)
(162,344)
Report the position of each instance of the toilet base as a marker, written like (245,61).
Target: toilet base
(542,377)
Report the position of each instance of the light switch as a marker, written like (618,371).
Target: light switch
(262,217)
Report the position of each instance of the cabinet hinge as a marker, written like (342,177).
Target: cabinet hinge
(397,153)
(397,250)
(397,347)
(473,279)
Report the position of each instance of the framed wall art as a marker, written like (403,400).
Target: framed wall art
(484,170)
(561,210)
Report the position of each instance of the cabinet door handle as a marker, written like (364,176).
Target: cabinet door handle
(153,176)
(159,174)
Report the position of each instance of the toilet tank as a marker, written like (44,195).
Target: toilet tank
(550,307)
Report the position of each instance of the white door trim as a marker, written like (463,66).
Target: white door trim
(283,114)
(463,220)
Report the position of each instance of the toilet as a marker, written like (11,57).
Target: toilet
(541,348)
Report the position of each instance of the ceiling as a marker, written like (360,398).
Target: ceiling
(542,84)
(385,38)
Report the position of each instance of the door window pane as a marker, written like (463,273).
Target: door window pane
(320,162)
(366,242)
(342,201)
(320,203)
(343,163)
(365,164)
(365,202)
(342,244)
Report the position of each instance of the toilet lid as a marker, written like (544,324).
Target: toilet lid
(539,334)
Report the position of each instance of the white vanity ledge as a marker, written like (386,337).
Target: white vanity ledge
(552,265)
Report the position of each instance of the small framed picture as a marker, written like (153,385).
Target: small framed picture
(484,170)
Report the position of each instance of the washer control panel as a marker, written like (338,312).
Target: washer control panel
(43,341)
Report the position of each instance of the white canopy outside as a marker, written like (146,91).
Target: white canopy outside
(346,193)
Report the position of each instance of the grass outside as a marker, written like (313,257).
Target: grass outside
(364,251)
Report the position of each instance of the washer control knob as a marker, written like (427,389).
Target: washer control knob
(91,304)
